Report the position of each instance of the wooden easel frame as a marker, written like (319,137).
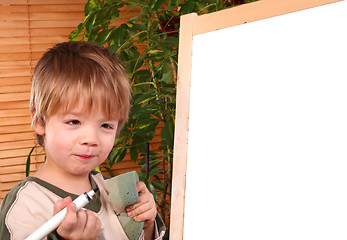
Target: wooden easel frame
(191,25)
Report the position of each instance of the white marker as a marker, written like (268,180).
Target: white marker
(55,221)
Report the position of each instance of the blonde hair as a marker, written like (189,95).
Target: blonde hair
(71,71)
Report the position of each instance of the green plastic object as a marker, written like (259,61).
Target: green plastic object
(122,193)
(132,228)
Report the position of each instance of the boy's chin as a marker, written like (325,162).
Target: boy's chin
(82,172)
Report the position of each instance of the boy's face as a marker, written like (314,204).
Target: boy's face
(76,142)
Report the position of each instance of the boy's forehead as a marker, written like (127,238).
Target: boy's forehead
(82,106)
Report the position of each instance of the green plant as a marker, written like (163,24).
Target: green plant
(28,162)
(147,44)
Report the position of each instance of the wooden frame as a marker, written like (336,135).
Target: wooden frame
(191,25)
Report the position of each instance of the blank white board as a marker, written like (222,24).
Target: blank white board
(267,146)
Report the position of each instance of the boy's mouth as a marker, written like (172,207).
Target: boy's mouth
(84,156)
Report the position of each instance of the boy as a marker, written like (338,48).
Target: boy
(79,101)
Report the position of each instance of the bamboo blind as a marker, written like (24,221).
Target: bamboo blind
(27,29)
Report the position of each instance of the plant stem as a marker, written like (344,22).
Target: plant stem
(147,160)
(174,70)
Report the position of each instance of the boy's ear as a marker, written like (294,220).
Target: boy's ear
(38,125)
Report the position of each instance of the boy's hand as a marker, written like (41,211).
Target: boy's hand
(77,225)
(145,209)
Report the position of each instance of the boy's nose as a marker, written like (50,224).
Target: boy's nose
(89,137)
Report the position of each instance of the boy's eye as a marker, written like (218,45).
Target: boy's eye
(73,122)
(107,126)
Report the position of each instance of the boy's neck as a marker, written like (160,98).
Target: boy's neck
(76,184)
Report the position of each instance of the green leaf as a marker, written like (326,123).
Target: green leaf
(133,52)
(105,36)
(142,72)
(155,171)
(153,191)
(98,169)
(119,140)
(142,177)
(155,52)
(116,155)
(155,4)
(158,71)
(109,170)
(168,132)
(90,6)
(74,35)
(152,164)
(143,98)
(156,58)
(27,165)
(172,4)
(139,141)
(147,134)
(152,157)
(134,154)
(140,76)
(159,185)
(121,155)
(87,18)
(187,7)
(112,11)
(167,77)
(151,153)
(147,123)
(111,156)
(118,35)
(138,64)
(89,22)
(146,111)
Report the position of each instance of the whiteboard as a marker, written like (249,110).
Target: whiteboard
(268,129)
